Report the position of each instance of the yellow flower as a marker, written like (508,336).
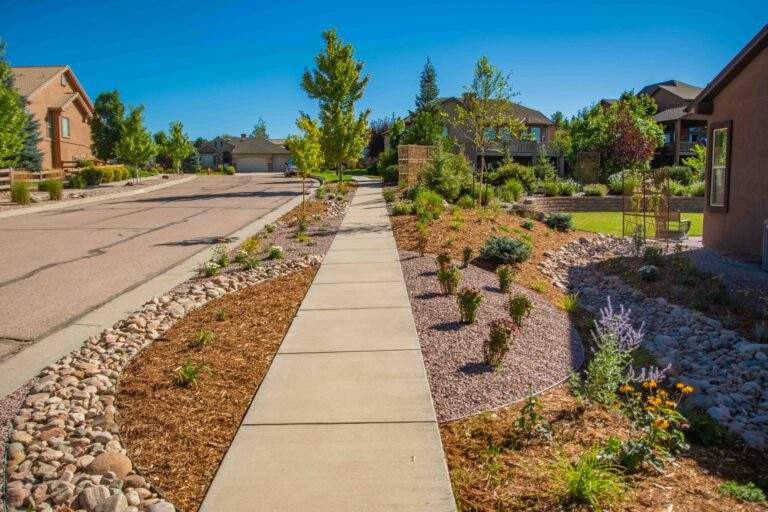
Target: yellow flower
(626,388)
(654,401)
(670,404)
(680,385)
(687,390)
(650,409)
(662,393)
(661,424)
(650,384)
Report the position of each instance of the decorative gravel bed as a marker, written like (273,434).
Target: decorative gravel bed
(542,353)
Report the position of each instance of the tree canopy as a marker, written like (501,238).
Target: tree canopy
(177,147)
(12,115)
(260,129)
(107,124)
(31,157)
(428,90)
(135,147)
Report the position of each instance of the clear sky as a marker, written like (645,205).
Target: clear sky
(219,66)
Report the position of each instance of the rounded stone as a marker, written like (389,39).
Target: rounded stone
(111,461)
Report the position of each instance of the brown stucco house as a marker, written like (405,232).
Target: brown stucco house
(63,110)
(246,154)
(736,103)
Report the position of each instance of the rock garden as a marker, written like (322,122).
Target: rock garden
(139,417)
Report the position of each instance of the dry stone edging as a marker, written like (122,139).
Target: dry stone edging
(729,372)
(65,447)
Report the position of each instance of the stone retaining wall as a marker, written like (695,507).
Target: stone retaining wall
(600,204)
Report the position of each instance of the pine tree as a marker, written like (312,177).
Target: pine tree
(12,115)
(107,124)
(336,84)
(31,158)
(260,129)
(428,90)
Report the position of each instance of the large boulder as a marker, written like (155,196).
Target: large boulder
(111,461)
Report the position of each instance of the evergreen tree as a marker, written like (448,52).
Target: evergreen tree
(135,146)
(31,157)
(12,115)
(260,129)
(337,84)
(428,90)
(107,124)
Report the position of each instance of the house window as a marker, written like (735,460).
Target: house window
(536,133)
(697,134)
(65,127)
(719,168)
(669,137)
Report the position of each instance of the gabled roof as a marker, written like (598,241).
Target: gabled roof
(528,115)
(30,79)
(680,89)
(703,102)
(256,145)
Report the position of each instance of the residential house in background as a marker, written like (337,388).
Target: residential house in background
(736,104)
(246,154)
(63,110)
(540,130)
(682,129)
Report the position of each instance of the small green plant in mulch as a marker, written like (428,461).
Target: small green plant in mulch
(496,345)
(221,255)
(302,238)
(466,256)
(531,422)
(527,224)
(221,315)
(588,480)
(20,193)
(449,278)
(202,338)
(519,306)
(743,492)
(505,273)
(539,285)
(320,193)
(275,252)
(469,300)
(653,256)
(209,269)
(188,373)
(570,302)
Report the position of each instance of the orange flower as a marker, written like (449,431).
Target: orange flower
(654,401)
(687,390)
(661,424)
(650,384)
(626,388)
(670,404)
(662,393)
(650,409)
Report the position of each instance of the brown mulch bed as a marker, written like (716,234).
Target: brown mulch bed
(474,230)
(494,469)
(543,352)
(178,436)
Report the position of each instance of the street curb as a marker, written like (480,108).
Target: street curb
(95,199)
(26,364)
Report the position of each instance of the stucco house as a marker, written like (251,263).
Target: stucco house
(63,110)
(736,103)
(246,154)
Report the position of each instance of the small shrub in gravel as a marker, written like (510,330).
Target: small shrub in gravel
(251,245)
(466,256)
(20,193)
(402,208)
(505,273)
(275,252)
(221,255)
(648,272)
(449,278)
(519,306)
(209,269)
(443,260)
(270,228)
(743,492)
(496,345)
(187,374)
(469,300)
(527,224)
(559,221)
(422,239)
(502,249)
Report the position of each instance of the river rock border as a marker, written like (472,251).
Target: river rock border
(65,449)
(730,373)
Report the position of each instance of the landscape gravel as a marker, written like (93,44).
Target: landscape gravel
(542,354)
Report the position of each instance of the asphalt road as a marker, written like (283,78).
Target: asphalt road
(58,265)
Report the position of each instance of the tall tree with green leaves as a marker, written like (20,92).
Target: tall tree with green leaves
(485,116)
(162,158)
(31,157)
(260,129)
(177,147)
(12,115)
(337,83)
(306,151)
(135,146)
(428,90)
(107,124)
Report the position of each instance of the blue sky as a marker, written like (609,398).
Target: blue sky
(219,66)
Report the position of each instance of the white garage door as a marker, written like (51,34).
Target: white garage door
(252,164)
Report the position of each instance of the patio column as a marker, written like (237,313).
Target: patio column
(678,132)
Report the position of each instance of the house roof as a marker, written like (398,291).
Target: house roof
(256,145)
(680,89)
(703,102)
(528,115)
(30,79)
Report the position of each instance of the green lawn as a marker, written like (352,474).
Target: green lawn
(610,222)
(332,177)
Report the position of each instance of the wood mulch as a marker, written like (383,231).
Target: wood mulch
(178,436)
(475,228)
(490,472)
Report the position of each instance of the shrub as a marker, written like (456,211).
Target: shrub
(466,256)
(648,272)
(527,224)
(389,195)
(629,455)
(20,192)
(595,190)
(75,181)
(108,175)
(696,189)
(570,302)
(390,174)
(568,188)
(447,174)
(428,205)
(449,278)
(550,188)
(55,189)
(676,189)
(320,193)
(531,422)
(221,255)
(743,492)
(496,345)
(91,176)
(251,262)
(188,373)
(705,431)
(270,228)
(251,244)
(275,252)
(202,338)
(511,191)
(503,249)
(221,315)
(229,170)
(588,480)
(630,182)
(680,173)
(402,208)
(466,201)
(653,255)
(519,306)
(209,269)
(559,221)
(443,260)
(513,170)
(485,195)
(422,237)
(539,286)
(469,300)
(505,273)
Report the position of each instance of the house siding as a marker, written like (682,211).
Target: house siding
(744,101)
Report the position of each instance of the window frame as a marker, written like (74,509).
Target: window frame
(719,125)
(68,132)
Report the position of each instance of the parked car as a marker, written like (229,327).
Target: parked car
(291,170)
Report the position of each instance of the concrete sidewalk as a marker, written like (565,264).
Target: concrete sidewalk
(344,419)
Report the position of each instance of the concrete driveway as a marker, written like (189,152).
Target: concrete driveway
(58,265)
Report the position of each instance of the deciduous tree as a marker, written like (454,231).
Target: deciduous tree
(135,146)
(12,115)
(260,129)
(107,124)
(306,151)
(178,147)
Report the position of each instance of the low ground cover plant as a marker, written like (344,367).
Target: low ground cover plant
(469,300)
(202,338)
(559,221)
(20,193)
(251,245)
(275,252)
(743,492)
(496,345)
(502,249)
(221,315)
(188,373)
(589,480)
(209,269)
(539,285)
(527,224)
(402,208)
(449,278)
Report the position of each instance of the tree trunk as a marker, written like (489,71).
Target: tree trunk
(482,172)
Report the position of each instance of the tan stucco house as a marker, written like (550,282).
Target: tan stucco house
(246,154)
(63,110)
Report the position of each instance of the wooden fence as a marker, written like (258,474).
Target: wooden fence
(10,176)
